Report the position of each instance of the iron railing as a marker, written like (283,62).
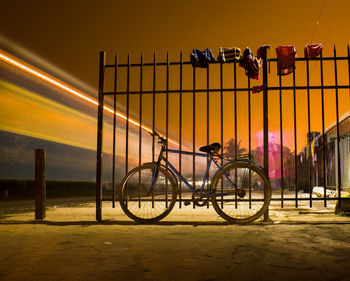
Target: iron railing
(180,91)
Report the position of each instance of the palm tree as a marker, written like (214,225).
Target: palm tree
(230,148)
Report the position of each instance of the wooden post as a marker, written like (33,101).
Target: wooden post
(100,138)
(40,184)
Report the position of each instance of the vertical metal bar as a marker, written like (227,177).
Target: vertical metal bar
(180,133)
(100,138)
(167,123)
(221,129)
(324,135)
(266,121)
(349,67)
(235,107)
(154,104)
(281,139)
(140,128)
(194,130)
(249,142)
(40,184)
(153,114)
(235,113)
(338,132)
(208,100)
(295,143)
(114,175)
(309,160)
(127,116)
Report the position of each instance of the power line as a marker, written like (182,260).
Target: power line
(317,22)
(332,23)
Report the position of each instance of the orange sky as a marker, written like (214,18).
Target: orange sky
(70,35)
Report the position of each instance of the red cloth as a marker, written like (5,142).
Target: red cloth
(286,56)
(261,51)
(313,50)
(257,89)
(251,64)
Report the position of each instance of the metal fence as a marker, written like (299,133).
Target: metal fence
(293,172)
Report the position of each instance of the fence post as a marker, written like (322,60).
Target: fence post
(100,138)
(40,184)
(266,122)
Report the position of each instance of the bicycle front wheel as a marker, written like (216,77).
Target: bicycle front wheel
(142,204)
(243,194)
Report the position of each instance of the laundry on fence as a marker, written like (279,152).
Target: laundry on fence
(257,89)
(229,54)
(262,49)
(313,50)
(286,56)
(201,58)
(251,64)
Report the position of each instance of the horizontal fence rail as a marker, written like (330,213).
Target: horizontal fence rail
(294,172)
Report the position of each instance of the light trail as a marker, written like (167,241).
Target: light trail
(68,89)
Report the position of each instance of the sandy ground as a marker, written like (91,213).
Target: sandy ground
(190,244)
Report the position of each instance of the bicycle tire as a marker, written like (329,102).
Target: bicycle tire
(248,206)
(140,206)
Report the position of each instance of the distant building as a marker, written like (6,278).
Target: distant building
(332,153)
(315,154)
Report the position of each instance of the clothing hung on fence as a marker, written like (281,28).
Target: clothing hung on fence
(313,50)
(262,49)
(229,54)
(251,64)
(286,56)
(257,89)
(201,58)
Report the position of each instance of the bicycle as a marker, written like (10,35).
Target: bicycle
(239,190)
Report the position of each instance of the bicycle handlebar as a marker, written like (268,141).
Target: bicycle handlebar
(155,134)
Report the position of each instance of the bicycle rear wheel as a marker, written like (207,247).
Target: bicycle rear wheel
(141,205)
(247,198)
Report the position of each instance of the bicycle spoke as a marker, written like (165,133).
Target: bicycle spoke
(246,200)
(144,207)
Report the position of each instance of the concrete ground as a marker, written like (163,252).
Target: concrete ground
(190,244)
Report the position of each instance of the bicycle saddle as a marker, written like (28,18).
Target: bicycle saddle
(211,148)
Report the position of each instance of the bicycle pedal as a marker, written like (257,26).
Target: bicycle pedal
(187,202)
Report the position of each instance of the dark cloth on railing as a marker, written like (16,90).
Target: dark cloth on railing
(313,50)
(229,54)
(262,50)
(201,58)
(257,89)
(251,64)
(286,56)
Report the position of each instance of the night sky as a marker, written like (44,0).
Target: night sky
(70,35)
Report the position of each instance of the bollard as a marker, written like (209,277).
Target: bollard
(40,184)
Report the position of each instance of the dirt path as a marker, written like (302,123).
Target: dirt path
(188,245)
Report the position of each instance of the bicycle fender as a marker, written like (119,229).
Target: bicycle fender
(167,169)
(241,160)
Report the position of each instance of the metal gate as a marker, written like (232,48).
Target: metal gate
(307,104)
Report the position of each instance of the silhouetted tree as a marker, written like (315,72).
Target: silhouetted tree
(230,148)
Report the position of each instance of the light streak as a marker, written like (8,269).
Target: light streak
(68,89)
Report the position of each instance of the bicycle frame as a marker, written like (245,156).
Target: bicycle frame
(178,174)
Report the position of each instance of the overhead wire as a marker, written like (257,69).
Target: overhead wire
(313,35)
